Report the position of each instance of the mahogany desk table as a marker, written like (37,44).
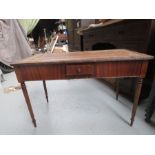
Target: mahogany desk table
(118,63)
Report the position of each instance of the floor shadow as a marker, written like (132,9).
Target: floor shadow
(118,115)
(124,104)
(110,91)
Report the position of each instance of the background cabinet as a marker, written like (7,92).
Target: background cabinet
(129,34)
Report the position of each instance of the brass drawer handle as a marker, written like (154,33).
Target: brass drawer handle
(78,70)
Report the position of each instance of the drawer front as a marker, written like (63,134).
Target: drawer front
(40,72)
(119,69)
(79,69)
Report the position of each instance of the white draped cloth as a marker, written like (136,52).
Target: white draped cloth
(13,42)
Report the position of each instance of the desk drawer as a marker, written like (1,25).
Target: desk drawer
(79,69)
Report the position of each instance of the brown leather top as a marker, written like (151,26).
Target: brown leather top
(85,56)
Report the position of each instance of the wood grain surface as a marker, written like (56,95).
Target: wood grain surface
(85,56)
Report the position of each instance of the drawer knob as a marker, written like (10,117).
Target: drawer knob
(78,70)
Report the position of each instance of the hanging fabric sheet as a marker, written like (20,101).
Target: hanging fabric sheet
(13,42)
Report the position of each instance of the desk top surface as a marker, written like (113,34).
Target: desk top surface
(85,56)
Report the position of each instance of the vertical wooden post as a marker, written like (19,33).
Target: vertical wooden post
(136,98)
(23,86)
(45,89)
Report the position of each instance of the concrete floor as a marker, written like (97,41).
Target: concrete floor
(84,106)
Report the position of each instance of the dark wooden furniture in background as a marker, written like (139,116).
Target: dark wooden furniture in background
(74,39)
(89,64)
(150,103)
(149,111)
(128,34)
(116,34)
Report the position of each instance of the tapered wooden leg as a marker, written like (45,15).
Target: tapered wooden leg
(136,98)
(45,89)
(23,86)
(117,88)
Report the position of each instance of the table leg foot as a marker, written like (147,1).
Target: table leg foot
(34,123)
(136,98)
(131,123)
